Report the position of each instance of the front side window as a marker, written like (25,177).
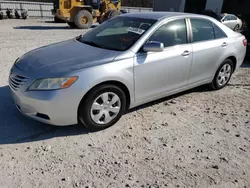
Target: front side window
(171,34)
(202,30)
(117,34)
(227,18)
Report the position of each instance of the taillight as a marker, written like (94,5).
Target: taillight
(245,42)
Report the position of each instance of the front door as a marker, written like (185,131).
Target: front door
(159,73)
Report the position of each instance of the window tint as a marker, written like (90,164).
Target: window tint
(218,32)
(202,30)
(171,34)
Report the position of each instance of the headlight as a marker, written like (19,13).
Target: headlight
(52,83)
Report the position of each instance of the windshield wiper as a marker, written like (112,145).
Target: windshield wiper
(92,44)
(98,45)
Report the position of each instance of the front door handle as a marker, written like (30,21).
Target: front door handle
(186,53)
(224,44)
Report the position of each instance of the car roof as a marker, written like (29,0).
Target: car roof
(155,15)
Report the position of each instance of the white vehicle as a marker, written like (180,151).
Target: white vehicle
(231,21)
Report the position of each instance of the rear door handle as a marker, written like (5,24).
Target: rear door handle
(186,53)
(224,44)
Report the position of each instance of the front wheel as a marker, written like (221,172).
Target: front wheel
(223,75)
(102,107)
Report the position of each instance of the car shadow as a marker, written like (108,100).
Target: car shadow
(46,27)
(166,100)
(15,128)
(42,27)
(246,64)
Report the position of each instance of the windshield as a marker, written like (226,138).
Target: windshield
(117,34)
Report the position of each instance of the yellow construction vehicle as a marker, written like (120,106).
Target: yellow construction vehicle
(83,13)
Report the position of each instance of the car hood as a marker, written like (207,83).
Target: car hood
(64,57)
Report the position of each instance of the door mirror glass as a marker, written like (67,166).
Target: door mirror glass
(153,46)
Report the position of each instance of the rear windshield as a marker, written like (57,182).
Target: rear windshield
(119,33)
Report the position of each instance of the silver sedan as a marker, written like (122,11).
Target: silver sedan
(125,62)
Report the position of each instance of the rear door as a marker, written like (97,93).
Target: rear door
(209,47)
(227,21)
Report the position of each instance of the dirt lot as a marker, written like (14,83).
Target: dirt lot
(195,139)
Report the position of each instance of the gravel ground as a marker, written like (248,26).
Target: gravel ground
(195,139)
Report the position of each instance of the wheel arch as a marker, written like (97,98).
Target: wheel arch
(110,82)
(234,60)
(88,8)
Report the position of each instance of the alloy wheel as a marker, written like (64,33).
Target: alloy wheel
(224,75)
(105,108)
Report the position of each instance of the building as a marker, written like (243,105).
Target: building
(192,6)
(240,8)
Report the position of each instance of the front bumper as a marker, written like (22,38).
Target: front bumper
(58,107)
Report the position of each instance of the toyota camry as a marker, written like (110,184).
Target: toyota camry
(127,61)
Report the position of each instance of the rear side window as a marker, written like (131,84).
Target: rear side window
(202,30)
(233,17)
(218,32)
(171,34)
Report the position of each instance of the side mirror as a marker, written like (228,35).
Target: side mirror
(153,46)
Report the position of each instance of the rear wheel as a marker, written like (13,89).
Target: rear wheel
(102,107)
(83,19)
(223,75)
(237,27)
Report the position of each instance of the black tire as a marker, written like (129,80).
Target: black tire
(80,17)
(215,83)
(237,27)
(84,111)
(72,25)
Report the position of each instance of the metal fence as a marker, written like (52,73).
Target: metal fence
(41,9)
(35,9)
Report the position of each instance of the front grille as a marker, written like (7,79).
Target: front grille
(15,81)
